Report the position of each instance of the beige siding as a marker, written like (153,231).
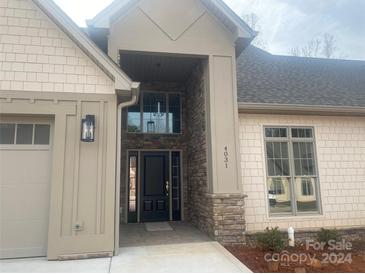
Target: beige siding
(36,56)
(340,143)
(82,174)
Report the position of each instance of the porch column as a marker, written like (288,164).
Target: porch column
(222,120)
(225,199)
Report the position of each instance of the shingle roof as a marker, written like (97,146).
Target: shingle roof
(268,79)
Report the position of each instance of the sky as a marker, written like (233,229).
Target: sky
(283,24)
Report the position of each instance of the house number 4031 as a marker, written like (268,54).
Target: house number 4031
(226,156)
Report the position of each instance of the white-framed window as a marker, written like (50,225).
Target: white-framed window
(24,134)
(291,168)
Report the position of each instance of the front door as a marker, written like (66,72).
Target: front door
(155,187)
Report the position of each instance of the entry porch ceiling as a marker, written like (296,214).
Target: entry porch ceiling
(144,67)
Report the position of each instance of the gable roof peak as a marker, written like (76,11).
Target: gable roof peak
(218,8)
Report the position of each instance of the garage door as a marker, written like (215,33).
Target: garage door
(25,164)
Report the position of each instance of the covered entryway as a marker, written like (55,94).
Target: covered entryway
(163,139)
(25,168)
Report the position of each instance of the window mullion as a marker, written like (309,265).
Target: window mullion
(292,176)
(33,134)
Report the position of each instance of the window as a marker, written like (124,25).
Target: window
(291,170)
(134,119)
(157,113)
(132,183)
(7,134)
(176,185)
(24,134)
(132,186)
(41,134)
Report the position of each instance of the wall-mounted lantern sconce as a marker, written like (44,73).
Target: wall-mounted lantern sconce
(88,129)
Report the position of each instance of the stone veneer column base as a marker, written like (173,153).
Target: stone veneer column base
(226,218)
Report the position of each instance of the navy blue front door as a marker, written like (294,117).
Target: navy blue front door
(155,187)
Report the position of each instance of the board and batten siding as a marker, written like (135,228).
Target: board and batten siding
(36,56)
(340,144)
(44,73)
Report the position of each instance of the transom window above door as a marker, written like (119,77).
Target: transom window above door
(156,113)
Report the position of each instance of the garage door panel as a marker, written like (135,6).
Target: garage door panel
(25,201)
(25,172)
(24,166)
(21,238)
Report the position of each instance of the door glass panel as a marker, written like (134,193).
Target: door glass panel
(154,175)
(279,195)
(132,183)
(24,134)
(306,194)
(42,134)
(7,134)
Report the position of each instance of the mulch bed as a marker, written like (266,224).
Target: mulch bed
(254,258)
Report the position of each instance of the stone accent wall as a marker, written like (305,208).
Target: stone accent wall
(35,55)
(226,218)
(340,147)
(197,149)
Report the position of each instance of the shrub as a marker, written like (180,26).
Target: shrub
(272,239)
(326,235)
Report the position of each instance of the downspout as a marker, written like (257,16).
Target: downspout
(121,106)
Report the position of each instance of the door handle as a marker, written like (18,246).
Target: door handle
(167,188)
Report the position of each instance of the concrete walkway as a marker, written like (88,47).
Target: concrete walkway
(184,249)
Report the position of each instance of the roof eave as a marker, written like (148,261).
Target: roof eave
(244,34)
(297,109)
(244,30)
(121,80)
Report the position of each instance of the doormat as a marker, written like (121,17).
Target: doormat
(152,227)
